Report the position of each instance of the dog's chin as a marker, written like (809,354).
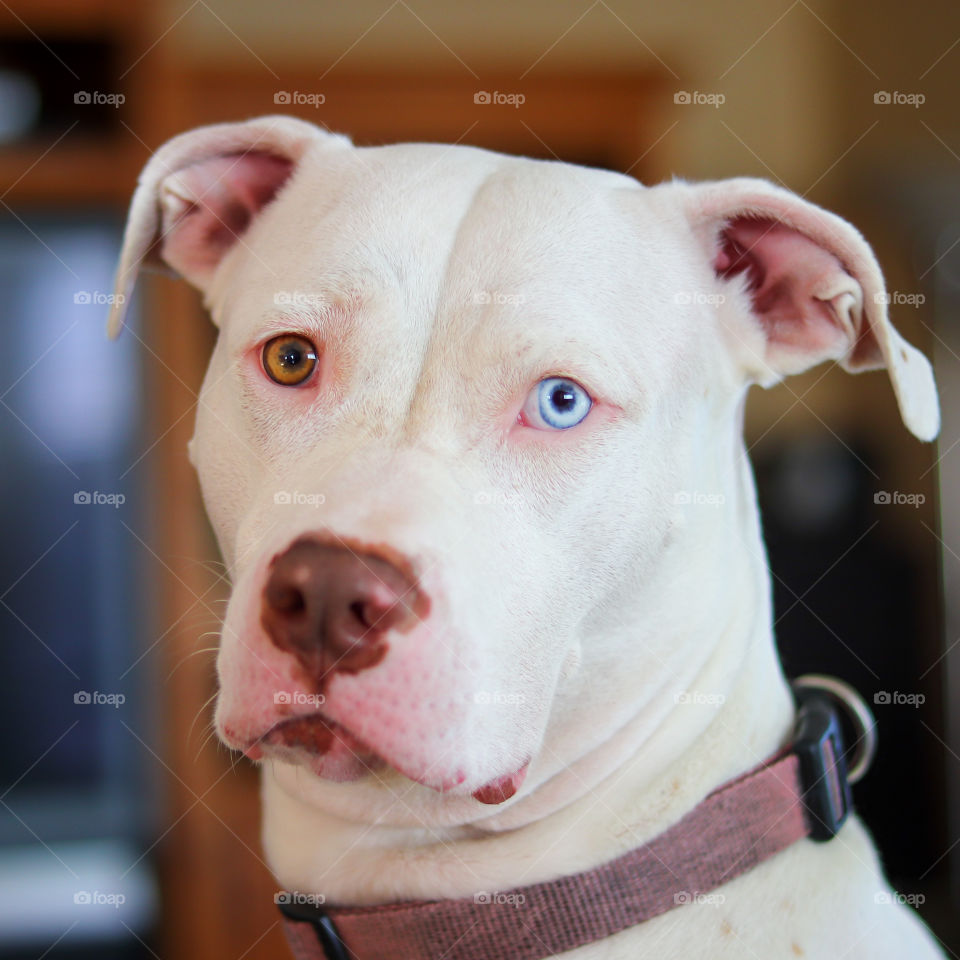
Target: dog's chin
(332,752)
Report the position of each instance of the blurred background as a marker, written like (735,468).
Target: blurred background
(125,831)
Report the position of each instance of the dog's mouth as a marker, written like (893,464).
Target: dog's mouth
(332,752)
(326,747)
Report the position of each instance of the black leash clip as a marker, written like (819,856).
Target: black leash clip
(323,926)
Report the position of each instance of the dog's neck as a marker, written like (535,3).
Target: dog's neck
(644,777)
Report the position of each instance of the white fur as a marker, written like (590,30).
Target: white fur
(571,587)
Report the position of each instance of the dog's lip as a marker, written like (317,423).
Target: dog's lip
(312,732)
(316,734)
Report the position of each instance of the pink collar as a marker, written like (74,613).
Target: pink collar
(800,792)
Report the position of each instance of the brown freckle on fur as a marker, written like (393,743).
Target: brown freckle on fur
(796,949)
(726,929)
(674,786)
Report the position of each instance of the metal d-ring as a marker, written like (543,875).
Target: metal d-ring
(865,744)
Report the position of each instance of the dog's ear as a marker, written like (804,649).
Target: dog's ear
(199,193)
(815,291)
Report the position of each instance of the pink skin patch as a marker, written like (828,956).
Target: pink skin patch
(503,788)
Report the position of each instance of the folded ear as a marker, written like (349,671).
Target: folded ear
(200,192)
(814,289)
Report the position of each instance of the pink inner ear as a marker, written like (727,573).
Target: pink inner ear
(792,281)
(209,205)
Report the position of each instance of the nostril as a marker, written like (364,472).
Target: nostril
(334,607)
(361,612)
(287,599)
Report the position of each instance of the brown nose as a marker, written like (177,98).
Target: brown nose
(332,607)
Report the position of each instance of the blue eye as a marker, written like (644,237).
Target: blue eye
(556,404)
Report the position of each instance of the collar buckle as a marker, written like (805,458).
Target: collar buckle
(818,743)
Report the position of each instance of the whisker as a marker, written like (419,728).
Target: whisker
(187,656)
(196,716)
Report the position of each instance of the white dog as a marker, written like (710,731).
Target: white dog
(470,440)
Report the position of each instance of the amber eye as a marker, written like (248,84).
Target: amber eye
(289,359)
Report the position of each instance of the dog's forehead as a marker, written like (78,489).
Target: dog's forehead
(446,214)
(424,253)
(440,221)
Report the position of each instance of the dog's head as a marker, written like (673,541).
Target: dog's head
(469,439)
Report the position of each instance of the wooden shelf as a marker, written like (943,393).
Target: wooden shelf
(67,17)
(604,118)
(78,174)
